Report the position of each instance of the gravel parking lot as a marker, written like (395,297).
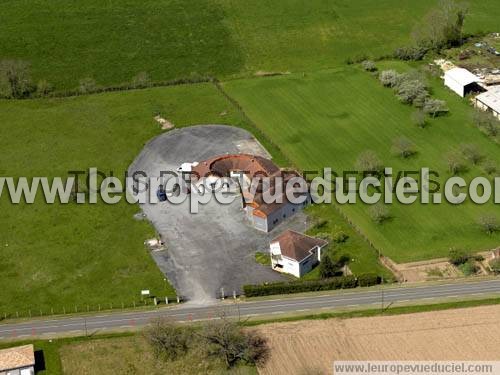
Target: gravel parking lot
(214,248)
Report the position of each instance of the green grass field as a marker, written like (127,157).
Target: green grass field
(66,255)
(327,119)
(113,41)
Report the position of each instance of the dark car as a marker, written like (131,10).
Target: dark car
(161,194)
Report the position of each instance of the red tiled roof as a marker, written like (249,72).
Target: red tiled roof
(297,246)
(252,166)
(17,357)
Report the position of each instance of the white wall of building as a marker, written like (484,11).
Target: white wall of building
(454,85)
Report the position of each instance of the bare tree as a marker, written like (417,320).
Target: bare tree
(168,339)
(403,147)
(419,119)
(369,161)
(226,339)
(471,153)
(455,163)
(15,79)
(379,213)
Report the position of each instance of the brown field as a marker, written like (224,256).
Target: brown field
(461,334)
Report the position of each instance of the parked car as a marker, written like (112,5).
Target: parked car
(161,194)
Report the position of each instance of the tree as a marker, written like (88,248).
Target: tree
(487,123)
(459,256)
(411,91)
(455,163)
(403,147)
(434,107)
(227,340)
(379,213)
(489,223)
(369,161)
(369,66)
(168,339)
(15,79)
(327,268)
(442,26)
(389,78)
(471,153)
(418,118)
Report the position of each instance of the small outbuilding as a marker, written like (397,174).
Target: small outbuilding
(295,253)
(19,360)
(489,101)
(461,81)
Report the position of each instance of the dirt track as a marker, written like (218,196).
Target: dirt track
(310,347)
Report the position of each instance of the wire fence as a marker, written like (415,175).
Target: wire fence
(65,309)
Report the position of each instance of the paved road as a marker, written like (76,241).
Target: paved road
(184,313)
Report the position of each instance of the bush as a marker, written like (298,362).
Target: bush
(87,86)
(327,268)
(340,237)
(489,224)
(43,88)
(468,268)
(369,66)
(495,265)
(410,53)
(434,107)
(489,166)
(141,80)
(389,78)
(459,256)
(368,279)
(340,282)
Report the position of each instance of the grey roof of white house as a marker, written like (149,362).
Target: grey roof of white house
(462,76)
(491,98)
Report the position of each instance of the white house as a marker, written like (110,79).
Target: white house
(295,253)
(489,101)
(19,360)
(461,81)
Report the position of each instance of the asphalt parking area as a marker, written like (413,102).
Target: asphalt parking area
(214,248)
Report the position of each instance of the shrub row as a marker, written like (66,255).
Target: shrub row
(130,86)
(299,286)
